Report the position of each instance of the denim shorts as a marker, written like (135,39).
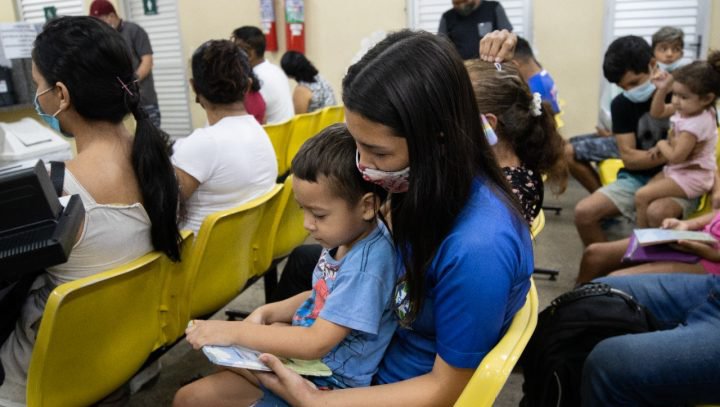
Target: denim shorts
(622,194)
(270,399)
(592,147)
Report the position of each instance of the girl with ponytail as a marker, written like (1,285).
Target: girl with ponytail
(85,88)
(522,130)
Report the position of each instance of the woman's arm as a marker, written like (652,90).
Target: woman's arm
(301,99)
(680,150)
(188,184)
(441,387)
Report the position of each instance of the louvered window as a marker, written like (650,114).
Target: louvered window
(33,11)
(169,70)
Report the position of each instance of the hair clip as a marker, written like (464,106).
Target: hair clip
(124,86)
(536,105)
(498,66)
(489,132)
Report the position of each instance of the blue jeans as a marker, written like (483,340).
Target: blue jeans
(677,365)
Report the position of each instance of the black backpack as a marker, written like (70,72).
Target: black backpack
(566,333)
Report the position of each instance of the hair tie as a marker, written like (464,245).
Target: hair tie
(498,66)
(536,105)
(124,86)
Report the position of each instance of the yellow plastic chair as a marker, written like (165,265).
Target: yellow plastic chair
(96,332)
(331,115)
(304,126)
(279,135)
(608,170)
(264,240)
(290,233)
(538,224)
(175,306)
(489,378)
(222,258)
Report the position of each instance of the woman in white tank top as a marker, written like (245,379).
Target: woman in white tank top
(86,86)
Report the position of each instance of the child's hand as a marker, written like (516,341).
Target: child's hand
(654,152)
(200,333)
(706,251)
(259,316)
(675,224)
(662,80)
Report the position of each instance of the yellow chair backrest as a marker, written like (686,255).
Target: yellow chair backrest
(304,126)
(538,224)
(331,115)
(279,135)
(496,366)
(175,307)
(222,258)
(96,332)
(267,230)
(290,230)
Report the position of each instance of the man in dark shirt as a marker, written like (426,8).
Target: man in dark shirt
(140,51)
(469,20)
(629,63)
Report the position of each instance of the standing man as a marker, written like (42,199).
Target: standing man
(140,51)
(469,20)
(274,85)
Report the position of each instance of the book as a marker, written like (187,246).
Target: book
(649,237)
(636,253)
(245,358)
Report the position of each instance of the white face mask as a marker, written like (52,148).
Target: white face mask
(640,93)
(391,181)
(671,67)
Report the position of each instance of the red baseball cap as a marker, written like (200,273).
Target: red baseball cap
(101,7)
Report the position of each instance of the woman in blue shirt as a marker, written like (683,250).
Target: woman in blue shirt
(465,250)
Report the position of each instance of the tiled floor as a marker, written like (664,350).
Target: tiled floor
(558,247)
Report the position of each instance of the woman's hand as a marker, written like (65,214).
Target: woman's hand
(706,251)
(675,224)
(498,46)
(201,333)
(287,384)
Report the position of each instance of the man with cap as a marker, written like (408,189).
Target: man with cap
(140,51)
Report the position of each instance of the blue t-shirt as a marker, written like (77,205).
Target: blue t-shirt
(476,283)
(357,293)
(544,84)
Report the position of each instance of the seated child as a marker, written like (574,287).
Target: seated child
(690,147)
(667,46)
(537,78)
(528,144)
(348,318)
(601,259)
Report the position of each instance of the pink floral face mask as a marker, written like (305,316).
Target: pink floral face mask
(391,181)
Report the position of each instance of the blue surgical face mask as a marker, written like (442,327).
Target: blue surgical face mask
(640,93)
(671,67)
(51,120)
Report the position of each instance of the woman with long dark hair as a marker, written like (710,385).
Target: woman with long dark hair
(464,247)
(85,87)
(312,92)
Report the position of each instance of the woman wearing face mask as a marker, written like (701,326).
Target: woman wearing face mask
(85,78)
(464,247)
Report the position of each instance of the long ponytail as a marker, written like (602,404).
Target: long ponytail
(150,157)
